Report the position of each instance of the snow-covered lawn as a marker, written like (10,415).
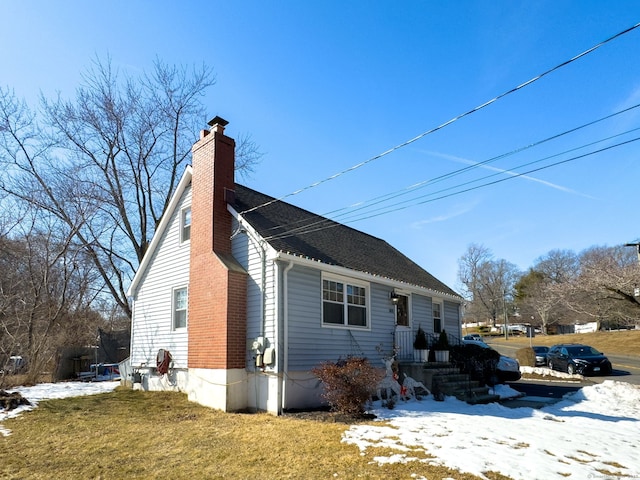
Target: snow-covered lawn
(593,433)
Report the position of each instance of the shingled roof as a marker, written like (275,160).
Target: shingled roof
(293,230)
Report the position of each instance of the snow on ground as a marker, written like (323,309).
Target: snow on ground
(592,433)
(46,391)
(547,372)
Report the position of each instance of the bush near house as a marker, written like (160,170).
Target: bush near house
(480,363)
(348,384)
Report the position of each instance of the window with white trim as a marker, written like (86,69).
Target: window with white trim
(437,317)
(344,303)
(180,302)
(185,225)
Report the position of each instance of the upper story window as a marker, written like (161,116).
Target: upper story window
(437,317)
(185,225)
(180,303)
(344,303)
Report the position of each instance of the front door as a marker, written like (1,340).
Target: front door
(402,311)
(403,337)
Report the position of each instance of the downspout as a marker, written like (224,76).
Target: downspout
(285,326)
(263,282)
(133,316)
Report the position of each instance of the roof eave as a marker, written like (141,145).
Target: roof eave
(338,270)
(184,182)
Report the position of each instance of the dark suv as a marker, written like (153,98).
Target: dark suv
(575,358)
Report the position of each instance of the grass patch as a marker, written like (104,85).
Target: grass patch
(495,476)
(579,460)
(609,474)
(624,342)
(134,434)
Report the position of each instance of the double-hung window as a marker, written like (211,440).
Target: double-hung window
(344,303)
(437,317)
(185,225)
(180,301)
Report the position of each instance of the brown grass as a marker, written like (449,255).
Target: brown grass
(134,434)
(624,342)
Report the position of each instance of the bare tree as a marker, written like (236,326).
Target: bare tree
(105,164)
(604,290)
(488,283)
(45,292)
(558,266)
(539,299)
(540,293)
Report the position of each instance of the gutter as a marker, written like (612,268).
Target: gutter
(369,277)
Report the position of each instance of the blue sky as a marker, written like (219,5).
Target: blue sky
(324,86)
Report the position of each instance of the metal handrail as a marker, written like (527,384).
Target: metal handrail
(404,343)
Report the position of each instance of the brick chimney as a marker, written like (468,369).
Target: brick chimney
(217,284)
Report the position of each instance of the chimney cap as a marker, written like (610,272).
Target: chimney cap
(217,120)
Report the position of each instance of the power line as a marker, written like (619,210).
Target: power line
(328,223)
(448,122)
(504,172)
(300,225)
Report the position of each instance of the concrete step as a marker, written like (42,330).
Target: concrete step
(460,385)
(475,398)
(452,377)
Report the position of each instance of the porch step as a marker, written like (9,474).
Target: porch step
(477,395)
(461,386)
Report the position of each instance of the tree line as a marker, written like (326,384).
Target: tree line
(84,182)
(600,284)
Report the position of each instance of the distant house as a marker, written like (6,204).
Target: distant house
(248,293)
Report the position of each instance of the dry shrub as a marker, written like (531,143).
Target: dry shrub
(348,384)
(526,357)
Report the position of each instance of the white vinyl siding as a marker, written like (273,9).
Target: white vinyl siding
(451,317)
(311,342)
(257,262)
(152,323)
(421,313)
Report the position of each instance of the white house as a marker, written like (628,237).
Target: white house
(248,293)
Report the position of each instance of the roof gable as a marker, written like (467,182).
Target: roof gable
(185,181)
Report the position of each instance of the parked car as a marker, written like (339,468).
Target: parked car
(541,355)
(473,336)
(507,369)
(576,358)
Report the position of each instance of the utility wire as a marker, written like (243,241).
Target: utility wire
(291,227)
(503,172)
(515,175)
(449,122)
(327,223)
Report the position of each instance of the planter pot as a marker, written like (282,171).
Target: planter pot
(420,356)
(442,356)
